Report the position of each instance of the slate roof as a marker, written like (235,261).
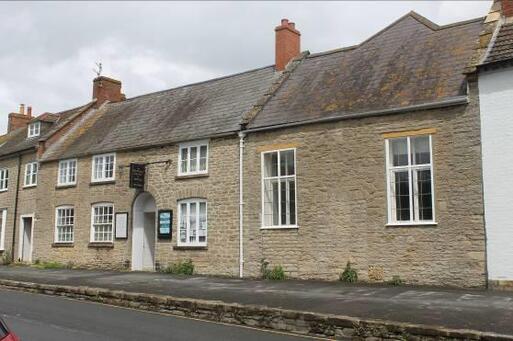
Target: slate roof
(411,62)
(195,111)
(501,49)
(17,141)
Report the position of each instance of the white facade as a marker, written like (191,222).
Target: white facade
(496,104)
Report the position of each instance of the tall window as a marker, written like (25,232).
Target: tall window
(64,222)
(67,172)
(31,174)
(410,180)
(193,222)
(104,167)
(279,188)
(102,222)
(34,129)
(4,179)
(193,158)
(3,221)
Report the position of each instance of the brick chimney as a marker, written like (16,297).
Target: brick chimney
(287,43)
(19,119)
(107,89)
(507,8)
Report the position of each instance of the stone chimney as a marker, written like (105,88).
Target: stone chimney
(287,43)
(19,119)
(106,89)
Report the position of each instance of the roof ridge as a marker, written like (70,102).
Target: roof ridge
(333,51)
(196,83)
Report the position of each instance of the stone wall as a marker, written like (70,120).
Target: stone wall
(220,188)
(342,202)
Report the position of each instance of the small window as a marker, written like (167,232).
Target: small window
(410,180)
(104,167)
(64,223)
(4,179)
(193,158)
(34,129)
(192,215)
(279,189)
(67,174)
(3,221)
(31,174)
(102,222)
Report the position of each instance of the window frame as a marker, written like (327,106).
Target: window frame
(187,243)
(92,234)
(103,178)
(4,178)
(56,232)
(31,165)
(188,146)
(278,177)
(3,226)
(32,131)
(410,167)
(67,183)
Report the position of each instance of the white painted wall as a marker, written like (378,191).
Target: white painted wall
(496,101)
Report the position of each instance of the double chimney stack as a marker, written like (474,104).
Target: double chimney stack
(19,119)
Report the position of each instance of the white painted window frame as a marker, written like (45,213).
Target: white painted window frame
(92,234)
(414,221)
(279,177)
(4,179)
(34,129)
(197,243)
(188,146)
(103,178)
(56,234)
(66,163)
(3,226)
(29,170)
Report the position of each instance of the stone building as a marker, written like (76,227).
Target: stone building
(369,154)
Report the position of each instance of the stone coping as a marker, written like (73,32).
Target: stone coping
(302,323)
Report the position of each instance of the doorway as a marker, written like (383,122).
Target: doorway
(144,232)
(26,237)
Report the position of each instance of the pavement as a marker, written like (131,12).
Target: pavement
(29,317)
(480,310)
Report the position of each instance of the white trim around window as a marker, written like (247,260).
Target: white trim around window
(31,170)
(4,179)
(64,224)
(34,129)
(103,167)
(410,185)
(192,222)
(193,158)
(102,223)
(279,189)
(67,172)
(3,224)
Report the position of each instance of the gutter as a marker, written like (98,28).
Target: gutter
(454,101)
(16,207)
(242,135)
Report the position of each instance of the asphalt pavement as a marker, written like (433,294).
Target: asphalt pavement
(36,317)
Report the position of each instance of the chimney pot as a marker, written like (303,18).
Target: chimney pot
(29,111)
(22,109)
(288,43)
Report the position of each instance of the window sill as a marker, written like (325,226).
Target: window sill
(29,186)
(65,186)
(426,224)
(106,182)
(63,244)
(191,176)
(287,227)
(3,190)
(184,247)
(101,245)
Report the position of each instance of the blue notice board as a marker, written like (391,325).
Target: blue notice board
(165,224)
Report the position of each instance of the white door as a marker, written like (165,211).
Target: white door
(143,233)
(149,240)
(26,239)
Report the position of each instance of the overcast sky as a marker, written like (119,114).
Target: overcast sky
(48,50)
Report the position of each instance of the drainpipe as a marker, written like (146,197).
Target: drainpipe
(241,204)
(16,208)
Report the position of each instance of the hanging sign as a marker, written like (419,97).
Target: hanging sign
(137,173)
(165,224)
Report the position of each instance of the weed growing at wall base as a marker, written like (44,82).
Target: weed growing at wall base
(181,268)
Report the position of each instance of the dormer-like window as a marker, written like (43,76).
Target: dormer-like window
(34,129)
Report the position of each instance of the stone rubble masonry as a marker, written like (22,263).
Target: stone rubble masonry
(342,202)
(303,323)
(220,188)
